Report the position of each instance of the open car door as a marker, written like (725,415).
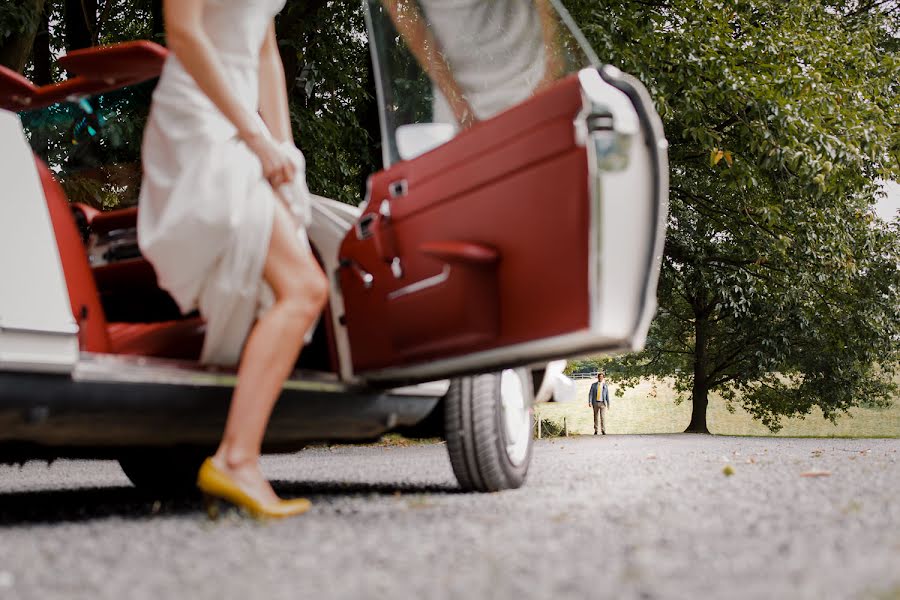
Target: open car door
(521,212)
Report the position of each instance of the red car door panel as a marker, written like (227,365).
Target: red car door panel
(482,245)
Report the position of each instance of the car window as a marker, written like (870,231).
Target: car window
(93,144)
(442,65)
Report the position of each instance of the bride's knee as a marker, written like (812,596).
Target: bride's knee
(316,289)
(305,298)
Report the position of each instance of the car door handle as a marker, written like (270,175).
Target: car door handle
(364,226)
(366,278)
(385,242)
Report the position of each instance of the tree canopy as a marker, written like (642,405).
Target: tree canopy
(779,286)
(323,47)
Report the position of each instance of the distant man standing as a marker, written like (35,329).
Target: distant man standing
(598,399)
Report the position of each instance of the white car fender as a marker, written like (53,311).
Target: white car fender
(37,329)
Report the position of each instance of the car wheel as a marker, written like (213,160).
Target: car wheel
(163,471)
(488,426)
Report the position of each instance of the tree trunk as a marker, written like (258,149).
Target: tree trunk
(700,391)
(157,22)
(15,50)
(296,22)
(41,56)
(80,21)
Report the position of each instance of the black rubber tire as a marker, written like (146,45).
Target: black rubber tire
(163,471)
(476,435)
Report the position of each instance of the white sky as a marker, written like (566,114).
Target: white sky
(889,206)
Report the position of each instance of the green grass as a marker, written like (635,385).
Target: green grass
(643,410)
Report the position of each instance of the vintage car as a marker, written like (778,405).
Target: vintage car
(479,255)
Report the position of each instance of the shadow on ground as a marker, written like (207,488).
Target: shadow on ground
(55,506)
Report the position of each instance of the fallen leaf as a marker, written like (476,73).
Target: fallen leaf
(815,474)
(651,456)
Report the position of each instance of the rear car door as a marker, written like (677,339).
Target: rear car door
(536,233)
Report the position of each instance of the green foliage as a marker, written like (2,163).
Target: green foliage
(17,18)
(326,44)
(124,20)
(551,427)
(93,146)
(582,365)
(779,286)
(333,56)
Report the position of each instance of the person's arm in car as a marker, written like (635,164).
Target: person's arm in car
(410,24)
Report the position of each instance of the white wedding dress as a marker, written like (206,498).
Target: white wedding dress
(206,210)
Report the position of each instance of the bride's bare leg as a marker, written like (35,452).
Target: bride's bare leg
(270,353)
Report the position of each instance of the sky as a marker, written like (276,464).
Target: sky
(889,206)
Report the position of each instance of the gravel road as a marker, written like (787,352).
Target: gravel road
(600,517)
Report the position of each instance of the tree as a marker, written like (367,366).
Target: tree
(779,287)
(323,47)
(326,56)
(18,27)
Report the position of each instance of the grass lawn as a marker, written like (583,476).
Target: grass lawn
(639,411)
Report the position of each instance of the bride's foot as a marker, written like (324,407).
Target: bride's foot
(244,486)
(249,478)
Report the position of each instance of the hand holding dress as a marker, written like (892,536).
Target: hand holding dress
(206,210)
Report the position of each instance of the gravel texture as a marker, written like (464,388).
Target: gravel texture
(600,517)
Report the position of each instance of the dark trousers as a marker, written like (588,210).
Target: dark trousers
(599,409)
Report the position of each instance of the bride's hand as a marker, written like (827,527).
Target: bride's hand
(277,166)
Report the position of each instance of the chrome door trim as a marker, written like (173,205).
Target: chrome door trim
(658,147)
(389,154)
(571,344)
(110,368)
(422,284)
(63,330)
(576,32)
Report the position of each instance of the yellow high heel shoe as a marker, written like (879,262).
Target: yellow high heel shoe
(217,485)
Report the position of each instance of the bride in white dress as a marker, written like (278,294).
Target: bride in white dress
(222,210)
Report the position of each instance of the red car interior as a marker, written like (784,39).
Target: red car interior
(180,339)
(470,245)
(98,70)
(118,304)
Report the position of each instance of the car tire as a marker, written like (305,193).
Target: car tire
(163,471)
(488,424)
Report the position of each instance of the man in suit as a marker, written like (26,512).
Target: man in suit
(598,399)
